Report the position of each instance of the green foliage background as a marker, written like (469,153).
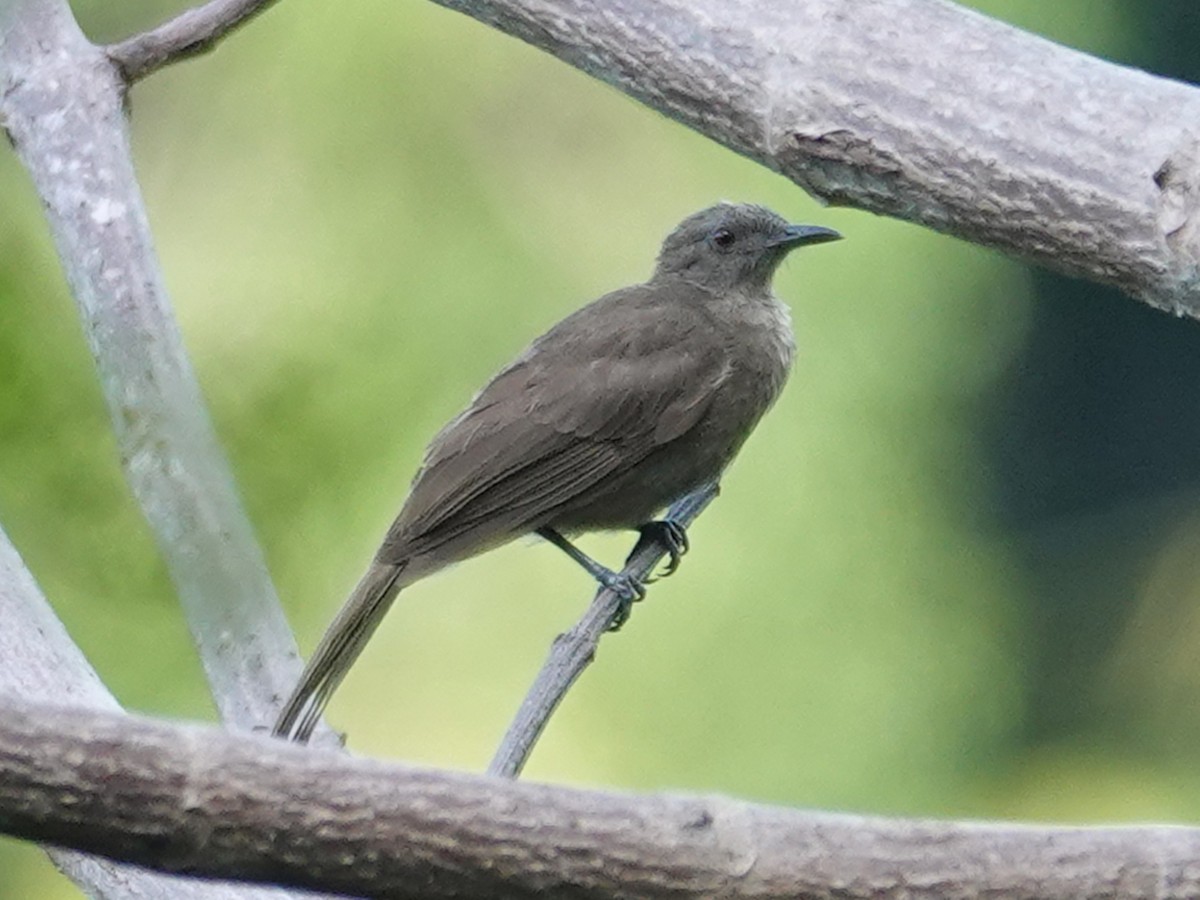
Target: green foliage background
(361,215)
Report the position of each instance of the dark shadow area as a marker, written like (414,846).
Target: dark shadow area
(1096,444)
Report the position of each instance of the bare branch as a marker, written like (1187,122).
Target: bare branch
(43,665)
(189,34)
(60,99)
(943,117)
(205,802)
(574,651)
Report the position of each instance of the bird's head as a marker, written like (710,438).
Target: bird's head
(734,245)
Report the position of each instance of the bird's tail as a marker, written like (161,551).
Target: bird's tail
(339,648)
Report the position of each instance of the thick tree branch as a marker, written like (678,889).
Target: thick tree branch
(573,651)
(943,117)
(918,109)
(60,98)
(189,34)
(42,665)
(205,802)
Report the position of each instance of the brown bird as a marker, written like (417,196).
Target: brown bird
(624,406)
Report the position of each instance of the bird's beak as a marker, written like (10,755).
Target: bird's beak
(798,235)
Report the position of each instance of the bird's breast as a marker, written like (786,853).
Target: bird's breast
(762,346)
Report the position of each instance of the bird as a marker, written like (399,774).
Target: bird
(626,405)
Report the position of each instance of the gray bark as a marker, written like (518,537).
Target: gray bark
(912,108)
(574,650)
(197,800)
(191,33)
(42,665)
(918,109)
(62,108)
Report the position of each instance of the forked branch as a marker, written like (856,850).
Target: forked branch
(191,33)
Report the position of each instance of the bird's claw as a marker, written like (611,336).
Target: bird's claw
(672,535)
(628,590)
(621,615)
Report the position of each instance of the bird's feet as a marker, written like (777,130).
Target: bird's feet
(628,590)
(669,533)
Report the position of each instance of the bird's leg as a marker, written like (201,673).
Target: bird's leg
(627,588)
(670,534)
(670,531)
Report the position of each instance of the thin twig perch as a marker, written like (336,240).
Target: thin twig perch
(574,650)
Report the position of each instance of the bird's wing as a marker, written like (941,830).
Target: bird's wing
(584,403)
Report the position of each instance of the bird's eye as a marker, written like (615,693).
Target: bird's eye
(723,238)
